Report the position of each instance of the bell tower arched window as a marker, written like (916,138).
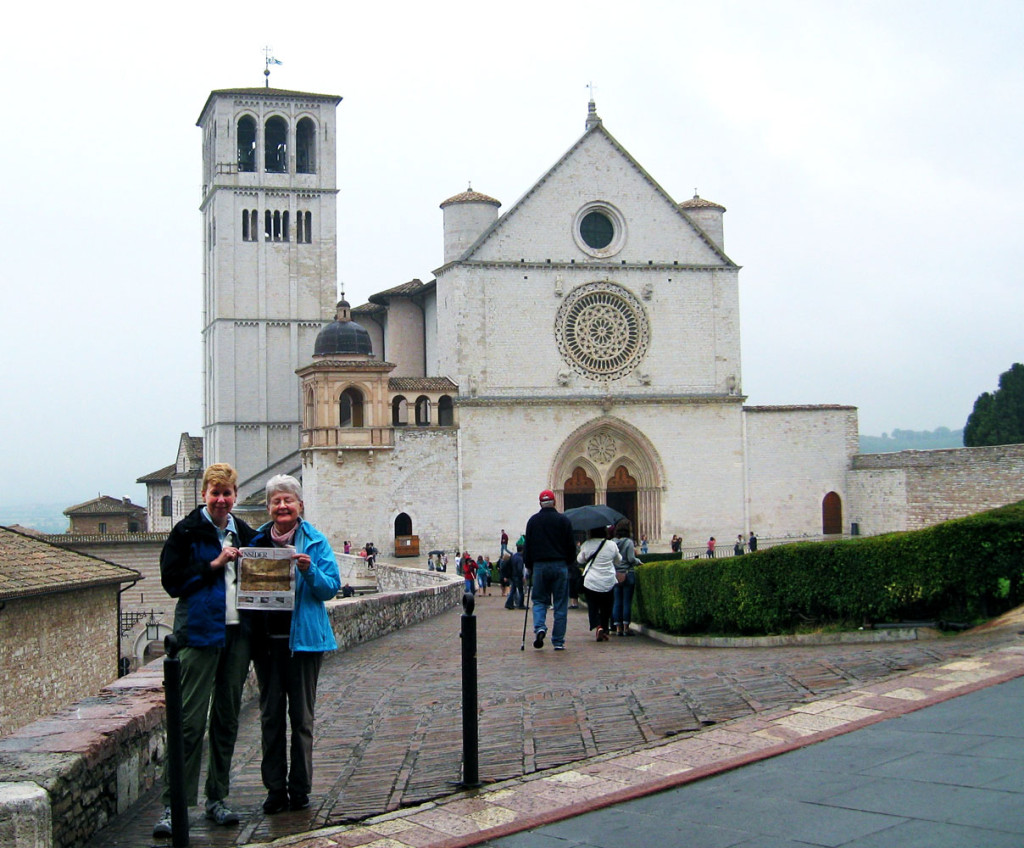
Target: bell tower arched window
(247,143)
(399,412)
(423,411)
(305,147)
(445,411)
(275,146)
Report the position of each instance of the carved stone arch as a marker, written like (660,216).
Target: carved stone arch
(599,447)
(357,409)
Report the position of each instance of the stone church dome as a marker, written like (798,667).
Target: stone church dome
(343,336)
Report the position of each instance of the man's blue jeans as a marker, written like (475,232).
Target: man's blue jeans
(551,587)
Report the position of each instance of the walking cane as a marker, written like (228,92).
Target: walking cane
(526,613)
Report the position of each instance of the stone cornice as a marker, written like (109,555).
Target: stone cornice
(563,265)
(603,400)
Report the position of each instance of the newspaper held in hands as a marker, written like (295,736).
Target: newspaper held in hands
(266,578)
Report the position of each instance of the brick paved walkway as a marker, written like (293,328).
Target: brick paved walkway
(389,731)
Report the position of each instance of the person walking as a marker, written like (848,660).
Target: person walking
(548,550)
(600,557)
(622,604)
(504,544)
(737,549)
(288,647)
(752,542)
(469,573)
(197,566)
(711,548)
(515,580)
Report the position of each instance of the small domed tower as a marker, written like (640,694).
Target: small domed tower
(708,216)
(466,216)
(344,390)
(343,337)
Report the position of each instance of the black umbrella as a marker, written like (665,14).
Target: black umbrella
(584,518)
(435,553)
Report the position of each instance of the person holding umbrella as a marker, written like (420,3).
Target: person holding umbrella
(547,552)
(599,557)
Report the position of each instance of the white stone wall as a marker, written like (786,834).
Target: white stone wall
(795,456)
(909,490)
(359,497)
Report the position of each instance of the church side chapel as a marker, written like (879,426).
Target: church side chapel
(587,341)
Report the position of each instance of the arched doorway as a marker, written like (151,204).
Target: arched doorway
(579,489)
(599,449)
(403,525)
(622,494)
(832,515)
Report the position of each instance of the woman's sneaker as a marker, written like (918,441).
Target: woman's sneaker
(163,826)
(217,811)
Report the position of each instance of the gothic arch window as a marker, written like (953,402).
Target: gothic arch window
(268,225)
(445,411)
(275,146)
(309,418)
(350,408)
(284,226)
(245,225)
(422,411)
(831,514)
(305,147)
(399,412)
(247,143)
(308,216)
(403,524)
(166,506)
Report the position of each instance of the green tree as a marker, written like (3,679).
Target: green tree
(998,417)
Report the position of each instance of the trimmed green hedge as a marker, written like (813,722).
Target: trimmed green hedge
(964,570)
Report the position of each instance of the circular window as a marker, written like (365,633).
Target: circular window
(602,331)
(600,230)
(596,230)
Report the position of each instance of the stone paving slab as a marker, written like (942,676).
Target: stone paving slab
(562,732)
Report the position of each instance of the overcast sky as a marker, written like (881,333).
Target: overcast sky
(869,155)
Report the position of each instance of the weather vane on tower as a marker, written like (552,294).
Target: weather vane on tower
(269,60)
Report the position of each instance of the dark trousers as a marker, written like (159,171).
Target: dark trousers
(287,687)
(599,607)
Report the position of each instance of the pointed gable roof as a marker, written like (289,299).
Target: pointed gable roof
(594,128)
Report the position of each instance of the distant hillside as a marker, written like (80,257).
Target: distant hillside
(941,437)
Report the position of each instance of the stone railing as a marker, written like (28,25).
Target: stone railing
(95,758)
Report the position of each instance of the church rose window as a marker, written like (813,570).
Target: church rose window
(602,331)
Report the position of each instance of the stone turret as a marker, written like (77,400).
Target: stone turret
(708,216)
(466,216)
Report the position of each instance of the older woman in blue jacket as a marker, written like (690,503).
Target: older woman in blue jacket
(288,647)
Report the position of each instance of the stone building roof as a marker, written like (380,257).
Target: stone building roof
(470,196)
(164,475)
(106,505)
(698,202)
(412,288)
(30,567)
(421,384)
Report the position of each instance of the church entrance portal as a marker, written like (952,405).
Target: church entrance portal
(610,462)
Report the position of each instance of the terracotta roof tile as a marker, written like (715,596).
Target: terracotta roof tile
(30,566)
(421,384)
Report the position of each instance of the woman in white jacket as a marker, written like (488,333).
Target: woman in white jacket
(599,556)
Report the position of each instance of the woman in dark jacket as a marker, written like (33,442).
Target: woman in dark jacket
(197,566)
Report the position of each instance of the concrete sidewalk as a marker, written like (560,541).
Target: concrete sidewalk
(563,734)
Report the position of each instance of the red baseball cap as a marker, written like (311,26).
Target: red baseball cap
(547,495)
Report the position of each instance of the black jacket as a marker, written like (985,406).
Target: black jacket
(548,538)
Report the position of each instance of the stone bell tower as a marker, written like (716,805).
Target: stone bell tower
(269,205)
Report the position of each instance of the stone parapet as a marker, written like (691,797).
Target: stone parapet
(94,758)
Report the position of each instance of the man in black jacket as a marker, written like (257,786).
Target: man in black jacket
(547,553)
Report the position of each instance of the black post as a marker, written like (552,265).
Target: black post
(175,744)
(470,727)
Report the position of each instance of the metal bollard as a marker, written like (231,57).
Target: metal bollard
(470,727)
(175,744)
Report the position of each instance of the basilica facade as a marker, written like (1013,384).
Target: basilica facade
(586,340)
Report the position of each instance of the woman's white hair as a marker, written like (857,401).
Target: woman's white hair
(283,483)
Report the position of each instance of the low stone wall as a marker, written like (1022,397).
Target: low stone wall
(96,757)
